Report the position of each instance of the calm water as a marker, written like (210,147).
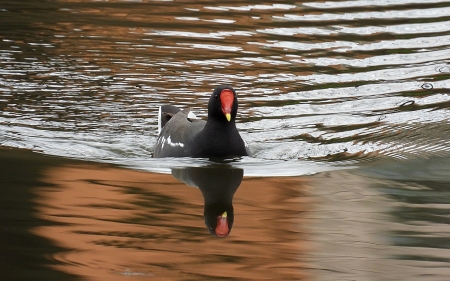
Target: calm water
(345,105)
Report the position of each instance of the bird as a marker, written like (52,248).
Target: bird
(218,184)
(182,134)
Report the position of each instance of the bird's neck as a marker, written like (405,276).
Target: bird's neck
(220,126)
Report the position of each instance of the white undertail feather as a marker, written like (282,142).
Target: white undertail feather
(191,115)
(159,120)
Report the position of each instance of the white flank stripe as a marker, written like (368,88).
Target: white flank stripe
(163,142)
(174,144)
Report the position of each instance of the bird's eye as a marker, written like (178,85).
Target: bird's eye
(216,96)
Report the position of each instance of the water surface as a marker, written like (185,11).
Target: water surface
(316,80)
(345,105)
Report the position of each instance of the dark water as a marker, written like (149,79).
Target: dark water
(72,220)
(347,100)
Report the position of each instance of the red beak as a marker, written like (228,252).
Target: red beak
(227,100)
(222,228)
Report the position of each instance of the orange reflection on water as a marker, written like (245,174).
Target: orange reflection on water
(116,222)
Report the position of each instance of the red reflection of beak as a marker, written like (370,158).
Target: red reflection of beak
(227,99)
(222,228)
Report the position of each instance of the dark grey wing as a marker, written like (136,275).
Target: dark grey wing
(175,139)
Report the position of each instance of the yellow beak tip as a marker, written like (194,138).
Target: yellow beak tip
(224,215)
(228,116)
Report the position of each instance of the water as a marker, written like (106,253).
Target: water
(344,104)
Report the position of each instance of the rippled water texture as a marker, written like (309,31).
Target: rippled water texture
(316,80)
(323,86)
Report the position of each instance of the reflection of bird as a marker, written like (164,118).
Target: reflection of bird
(183,135)
(218,185)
